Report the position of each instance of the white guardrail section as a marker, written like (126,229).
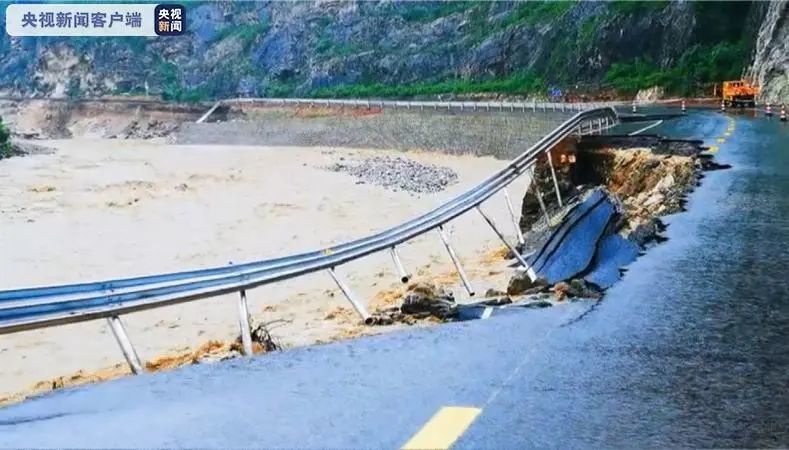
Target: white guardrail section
(520,106)
(39,307)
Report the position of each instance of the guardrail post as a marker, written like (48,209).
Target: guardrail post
(514,218)
(126,346)
(404,276)
(455,261)
(512,249)
(553,174)
(243,323)
(349,295)
(538,194)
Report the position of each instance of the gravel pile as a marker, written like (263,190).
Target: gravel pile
(398,174)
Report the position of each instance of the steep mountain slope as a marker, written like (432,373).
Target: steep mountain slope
(771,63)
(396,48)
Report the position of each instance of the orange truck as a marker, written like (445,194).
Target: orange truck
(740,93)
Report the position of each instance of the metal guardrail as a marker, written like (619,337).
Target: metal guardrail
(520,106)
(39,307)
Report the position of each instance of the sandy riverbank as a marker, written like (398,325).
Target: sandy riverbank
(99,209)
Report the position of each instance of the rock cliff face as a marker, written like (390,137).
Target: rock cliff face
(298,48)
(771,62)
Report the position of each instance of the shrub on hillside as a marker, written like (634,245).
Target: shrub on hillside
(5,141)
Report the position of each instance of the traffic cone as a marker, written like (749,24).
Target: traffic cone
(783,113)
(683,107)
(769,111)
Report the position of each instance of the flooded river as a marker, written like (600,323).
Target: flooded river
(690,349)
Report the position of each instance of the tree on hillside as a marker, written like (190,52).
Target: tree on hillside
(5,141)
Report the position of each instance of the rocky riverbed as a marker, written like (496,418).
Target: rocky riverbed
(398,173)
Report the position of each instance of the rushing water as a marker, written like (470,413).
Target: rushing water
(690,349)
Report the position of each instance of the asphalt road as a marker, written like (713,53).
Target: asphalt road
(689,349)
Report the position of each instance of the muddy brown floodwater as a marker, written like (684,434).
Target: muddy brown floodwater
(99,209)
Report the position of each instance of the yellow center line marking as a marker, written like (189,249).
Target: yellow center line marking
(713,149)
(721,140)
(444,428)
(728,133)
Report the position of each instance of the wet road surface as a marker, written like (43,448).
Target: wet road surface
(691,348)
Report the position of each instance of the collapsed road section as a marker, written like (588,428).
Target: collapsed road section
(613,190)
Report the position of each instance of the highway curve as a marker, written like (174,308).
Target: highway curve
(690,349)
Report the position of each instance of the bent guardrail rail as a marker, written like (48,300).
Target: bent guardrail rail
(39,307)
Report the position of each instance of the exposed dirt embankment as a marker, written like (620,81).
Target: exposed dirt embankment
(650,176)
(49,119)
(647,184)
(614,191)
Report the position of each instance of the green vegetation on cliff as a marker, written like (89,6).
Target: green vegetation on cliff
(246,33)
(721,51)
(430,11)
(400,49)
(522,83)
(534,13)
(698,66)
(5,141)
(637,7)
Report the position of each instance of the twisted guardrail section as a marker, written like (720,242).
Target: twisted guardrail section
(39,307)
